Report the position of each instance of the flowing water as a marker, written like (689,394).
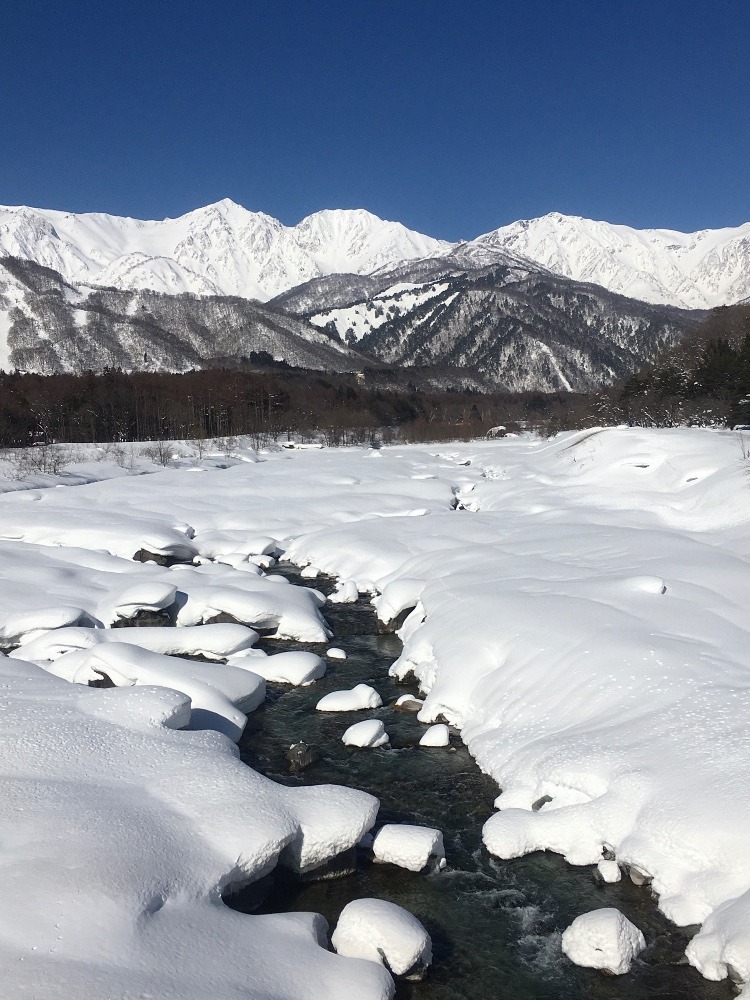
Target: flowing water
(495,925)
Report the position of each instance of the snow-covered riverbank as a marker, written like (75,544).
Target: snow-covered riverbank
(584,620)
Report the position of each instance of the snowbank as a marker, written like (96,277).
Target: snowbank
(118,833)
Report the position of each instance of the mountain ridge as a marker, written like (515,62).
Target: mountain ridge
(225,249)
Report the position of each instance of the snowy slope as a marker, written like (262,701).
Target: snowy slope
(222,249)
(693,270)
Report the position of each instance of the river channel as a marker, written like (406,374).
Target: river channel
(495,925)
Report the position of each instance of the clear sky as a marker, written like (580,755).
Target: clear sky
(452,117)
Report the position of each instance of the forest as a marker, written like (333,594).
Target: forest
(704,379)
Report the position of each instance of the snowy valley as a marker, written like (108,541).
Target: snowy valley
(573,611)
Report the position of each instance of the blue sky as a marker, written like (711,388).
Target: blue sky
(452,117)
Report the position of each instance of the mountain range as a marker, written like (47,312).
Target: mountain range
(224,249)
(551,303)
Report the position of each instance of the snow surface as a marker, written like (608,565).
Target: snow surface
(382,932)
(222,249)
(360,697)
(118,834)
(603,939)
(583,622)
(411,847)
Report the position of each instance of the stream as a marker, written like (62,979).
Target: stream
(495,925)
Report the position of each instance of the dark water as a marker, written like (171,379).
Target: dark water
(495,925)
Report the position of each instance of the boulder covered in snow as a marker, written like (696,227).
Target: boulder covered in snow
(384,932)
(370,733)
(361,696)
(412,847)
(436,736)
(346,593)
(334,653)
(296,666)
(603,939)
(408,703)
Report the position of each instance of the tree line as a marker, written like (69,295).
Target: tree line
(117,406)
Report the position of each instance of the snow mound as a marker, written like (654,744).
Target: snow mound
(216,691)
(359,697)
(29,624)
(436,736)
(212,641)
(296,667)
(412,847)
(603,939)
(334,653)
(346,593)
(383,932)
(370,733)
(153,595)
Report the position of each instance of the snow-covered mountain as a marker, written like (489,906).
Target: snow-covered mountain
(222,249)
(50,325)
(691,270)
(514,321)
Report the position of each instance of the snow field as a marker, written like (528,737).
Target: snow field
(585,626)
(118,834)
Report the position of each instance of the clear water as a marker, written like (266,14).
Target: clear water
(495,925)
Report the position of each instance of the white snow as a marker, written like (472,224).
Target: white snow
(118,834)
(360,697)
(382,932)
(436,736)
(603,939)
(335,653)
(412,847)
(296,667)
(369,733)
(222,249)
(609,870)
(584,626)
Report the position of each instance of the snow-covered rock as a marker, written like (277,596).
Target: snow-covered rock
(154,595)
(296,667)
(369,733)
(412,847)
(609,871)
(383,932)
(335,653)
(346,592)
(603,939)
(359,697)
(436,736)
